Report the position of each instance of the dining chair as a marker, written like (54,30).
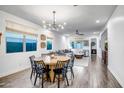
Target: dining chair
(32,65)
(61,69)
(71,65)
(41,70)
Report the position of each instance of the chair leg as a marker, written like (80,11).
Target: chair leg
(54,78)
(63,76)
(49,77)
(47,73)
(42,80)
(67,79)
(34,72)
(35,79)
(72,72)
(31,74)
(58,81)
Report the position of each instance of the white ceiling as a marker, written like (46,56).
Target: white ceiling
(82,17)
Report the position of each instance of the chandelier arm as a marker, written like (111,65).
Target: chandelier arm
(54,26)
(54,22)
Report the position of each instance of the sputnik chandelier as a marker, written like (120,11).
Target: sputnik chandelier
(53,26)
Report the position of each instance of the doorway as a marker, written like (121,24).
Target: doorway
(104,47)
(93,46)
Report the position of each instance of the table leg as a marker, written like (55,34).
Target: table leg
(51,73)
(52,67)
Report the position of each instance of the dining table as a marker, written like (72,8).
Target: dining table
(51,62)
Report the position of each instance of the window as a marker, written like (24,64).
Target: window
(49,44)
(18,42)
(77,45)
(14,42)
(31,43)
(72,45)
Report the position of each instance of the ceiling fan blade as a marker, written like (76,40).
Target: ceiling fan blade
(80,34)
(77,32)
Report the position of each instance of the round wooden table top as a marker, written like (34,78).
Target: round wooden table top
(51,61)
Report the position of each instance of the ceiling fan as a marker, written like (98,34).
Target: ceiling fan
(77,32)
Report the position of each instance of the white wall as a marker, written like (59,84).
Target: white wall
(116,44)
(11,63)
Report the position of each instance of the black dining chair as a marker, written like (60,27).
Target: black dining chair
(41,71)
(71,64)
(61,69)
(32,65)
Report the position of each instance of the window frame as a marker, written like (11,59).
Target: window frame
(23,41)
(26,42)
(48,38)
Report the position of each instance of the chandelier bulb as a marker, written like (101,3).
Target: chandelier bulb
(43,22)
(65,23)
(62,27)
(59,25)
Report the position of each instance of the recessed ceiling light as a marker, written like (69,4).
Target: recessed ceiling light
(97,21)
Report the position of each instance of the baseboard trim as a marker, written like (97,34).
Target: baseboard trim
(116,76)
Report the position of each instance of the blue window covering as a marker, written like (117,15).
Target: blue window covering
(14,42)
(31,43)
(49,44)
(72,45)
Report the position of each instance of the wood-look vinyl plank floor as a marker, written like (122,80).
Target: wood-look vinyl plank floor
(95,75)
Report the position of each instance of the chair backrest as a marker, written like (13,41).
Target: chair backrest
(32,61)
(40,64)
(62,64)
